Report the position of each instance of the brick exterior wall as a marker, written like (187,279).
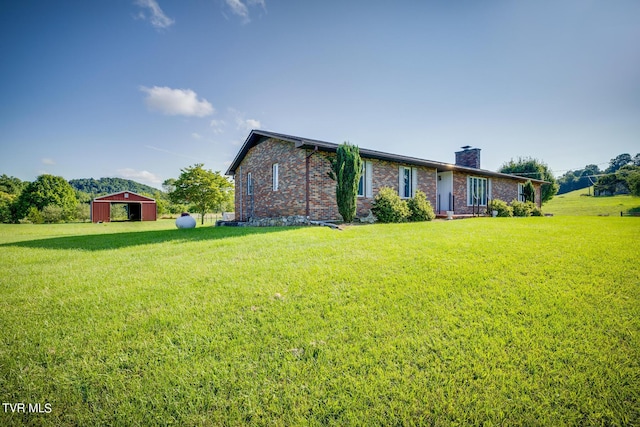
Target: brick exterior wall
(501,188)
(291,197)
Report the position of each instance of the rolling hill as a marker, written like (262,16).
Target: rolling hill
(102,186)
(579,203)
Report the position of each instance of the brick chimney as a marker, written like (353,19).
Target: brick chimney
(468,157)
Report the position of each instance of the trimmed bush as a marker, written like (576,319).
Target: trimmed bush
(501,206)
(521,208)
(389,207)
(525,209)
(420,208)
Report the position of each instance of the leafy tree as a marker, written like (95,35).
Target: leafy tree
(533,169)
(169,185)
(47,190)
(606,185)
(207,191)
(7,207)
(623,181)
(346,169)
(620,161)
(11,185)
(633,182)
(636,160)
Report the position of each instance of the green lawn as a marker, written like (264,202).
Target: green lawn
(485,321)
(580,203)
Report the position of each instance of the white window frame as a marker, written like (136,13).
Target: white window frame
(365,185)
(474,182)
(413,181)
(249,184)
(275,176)
(520,192)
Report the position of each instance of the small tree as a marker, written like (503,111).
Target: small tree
(346,169)
(529,192)
(204,189)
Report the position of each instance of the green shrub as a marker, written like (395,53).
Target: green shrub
(389,207)
(52,214)
(83,212)
(501,206)
(420,208)
(525,209)
(536,211)
(34,216)
(521,208)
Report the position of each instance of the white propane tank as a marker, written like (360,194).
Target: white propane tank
(185,221)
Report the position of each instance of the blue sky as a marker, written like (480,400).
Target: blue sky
(142,88)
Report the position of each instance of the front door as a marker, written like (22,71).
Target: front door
(445,192)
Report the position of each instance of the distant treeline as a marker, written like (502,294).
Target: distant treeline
(52,199)
(102,186)
(618,177)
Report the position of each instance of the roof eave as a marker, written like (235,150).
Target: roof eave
(366,153)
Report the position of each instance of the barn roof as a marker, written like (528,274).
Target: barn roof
(120,196)
(258,136)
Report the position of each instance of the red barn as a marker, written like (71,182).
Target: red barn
(139,208)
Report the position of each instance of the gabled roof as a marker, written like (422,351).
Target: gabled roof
(120,195)
(257,136)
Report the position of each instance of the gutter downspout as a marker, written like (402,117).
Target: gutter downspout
(240,185)
(307,185)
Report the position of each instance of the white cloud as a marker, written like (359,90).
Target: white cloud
(252,124)
(242,10)
(243,124)
(174,102)
(217,125)
(144,176)
(48,161)
(155,15)
(196,135)
(247,125)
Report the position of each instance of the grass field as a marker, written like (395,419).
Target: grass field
(486,321)
(579,203)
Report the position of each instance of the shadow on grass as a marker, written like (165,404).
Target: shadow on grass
(108,241)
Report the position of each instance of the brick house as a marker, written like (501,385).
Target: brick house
(279,175)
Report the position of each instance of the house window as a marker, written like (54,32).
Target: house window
(361,183)
(365,185)
(477,191)
(249,185)
(520,192)
(407,181)
(275,176)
